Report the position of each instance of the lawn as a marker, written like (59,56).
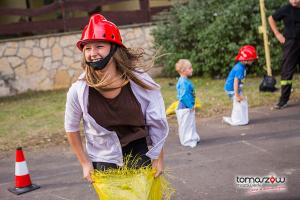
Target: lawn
(36,118)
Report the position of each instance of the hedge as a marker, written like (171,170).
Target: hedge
(210,33)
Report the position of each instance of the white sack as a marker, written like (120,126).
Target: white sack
(239,114)
(188,135)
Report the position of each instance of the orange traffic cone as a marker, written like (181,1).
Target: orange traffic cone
(22,177)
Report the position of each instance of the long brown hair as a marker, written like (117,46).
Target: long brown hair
(128,62)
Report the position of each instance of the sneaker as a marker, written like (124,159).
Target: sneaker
(280,105)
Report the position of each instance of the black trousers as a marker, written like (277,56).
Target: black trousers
(135,152)
(291,57)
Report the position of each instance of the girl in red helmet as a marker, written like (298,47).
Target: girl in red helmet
(233,85)
(119,104)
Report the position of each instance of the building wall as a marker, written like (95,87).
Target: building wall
(53,61)
(34,4)
(11,4)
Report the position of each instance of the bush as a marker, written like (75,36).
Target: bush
(210,33)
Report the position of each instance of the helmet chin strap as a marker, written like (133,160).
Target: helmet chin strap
(101,64)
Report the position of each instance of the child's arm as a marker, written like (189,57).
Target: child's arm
(236,90)
(186,101)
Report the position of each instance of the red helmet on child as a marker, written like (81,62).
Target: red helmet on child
(99,29)
(246,52)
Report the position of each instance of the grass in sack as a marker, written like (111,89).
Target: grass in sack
(130,183)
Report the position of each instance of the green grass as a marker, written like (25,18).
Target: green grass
(36,118)
(31,118)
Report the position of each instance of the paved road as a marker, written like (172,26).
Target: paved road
(270,144)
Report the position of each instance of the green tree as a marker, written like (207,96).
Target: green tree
(210,33)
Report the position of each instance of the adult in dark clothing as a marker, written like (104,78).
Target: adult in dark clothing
(290,39)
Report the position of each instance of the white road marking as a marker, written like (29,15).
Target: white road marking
(59,197)
(255,147)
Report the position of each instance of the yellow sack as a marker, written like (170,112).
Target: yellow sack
(171,109)
(131,184)
(197,103)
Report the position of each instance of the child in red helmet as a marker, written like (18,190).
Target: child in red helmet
(233,85)
(119,104)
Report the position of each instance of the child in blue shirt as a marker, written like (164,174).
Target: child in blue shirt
(233,85)
(185,112)
(184,87)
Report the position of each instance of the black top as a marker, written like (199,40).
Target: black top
(122,114)
(291,19)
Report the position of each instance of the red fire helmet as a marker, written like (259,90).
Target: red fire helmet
(99,29)
(246,52)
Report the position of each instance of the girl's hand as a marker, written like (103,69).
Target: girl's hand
(87,169)
(159,166)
